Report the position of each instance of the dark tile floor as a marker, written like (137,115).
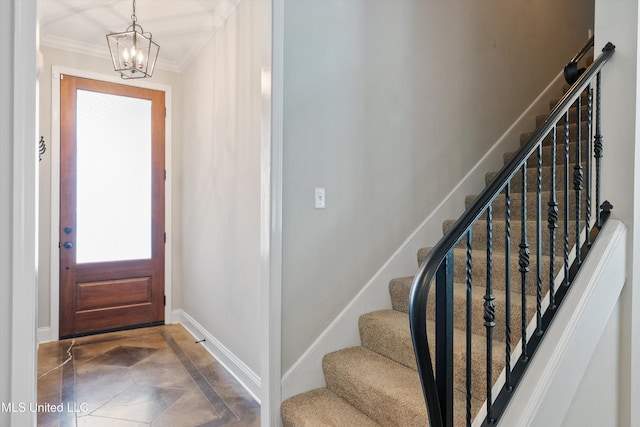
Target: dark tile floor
(145,377)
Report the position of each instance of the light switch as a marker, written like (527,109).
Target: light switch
(320,201)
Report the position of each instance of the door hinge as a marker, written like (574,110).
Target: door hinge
(165,300)
(165,237)
(59,245)
(165,174)
(165,112)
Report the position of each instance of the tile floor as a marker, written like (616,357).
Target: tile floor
(145,377)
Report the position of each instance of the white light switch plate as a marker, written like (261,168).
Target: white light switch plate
(320,201)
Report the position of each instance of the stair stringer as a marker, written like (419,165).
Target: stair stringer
(306,373)
(555,373)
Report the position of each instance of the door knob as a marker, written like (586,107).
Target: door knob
(67,245)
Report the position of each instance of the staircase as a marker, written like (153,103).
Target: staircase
(493,270)
(377,383)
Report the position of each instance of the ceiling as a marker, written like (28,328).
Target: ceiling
(180,27)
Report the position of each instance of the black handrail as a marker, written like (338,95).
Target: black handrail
(571,71)
(441,253)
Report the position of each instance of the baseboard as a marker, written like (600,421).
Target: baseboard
(240,371)
(306,373)
(44,334)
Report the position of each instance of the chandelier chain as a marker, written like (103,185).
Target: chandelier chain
(133,16)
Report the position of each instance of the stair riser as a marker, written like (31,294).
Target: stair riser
(397,346)
(381,405)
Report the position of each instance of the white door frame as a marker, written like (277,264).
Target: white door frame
(54,314)
(18,215)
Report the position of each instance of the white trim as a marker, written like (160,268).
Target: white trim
(241,372)
(24,177)
(558,367)
(306,373)
(44,334)
(56,70)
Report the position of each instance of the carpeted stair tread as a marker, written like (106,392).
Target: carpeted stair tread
(477,313)
(322,408)
(386,391)
(499,230)
(532,178)
(547,154)
(548,139)
(499,205)
(399,289)
(479,268)
(387,333)
(573,114)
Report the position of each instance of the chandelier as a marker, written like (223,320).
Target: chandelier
(133,52)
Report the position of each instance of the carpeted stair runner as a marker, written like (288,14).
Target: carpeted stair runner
(376,383)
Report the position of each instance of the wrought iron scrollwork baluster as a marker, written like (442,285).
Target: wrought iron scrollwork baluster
(523,262)
(588,160)
(507,286)
(469,326)
(598,150)
(489,310)
(577,177)
(566,198)
(552,223)
(539,244)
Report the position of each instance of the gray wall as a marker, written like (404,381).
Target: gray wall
(388,104)
(221,184)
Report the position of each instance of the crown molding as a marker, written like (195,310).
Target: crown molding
(97,51)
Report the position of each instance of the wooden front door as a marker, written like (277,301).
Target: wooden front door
(111,206)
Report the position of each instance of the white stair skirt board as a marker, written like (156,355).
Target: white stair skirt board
(236,367)
(306,373)
(556,370)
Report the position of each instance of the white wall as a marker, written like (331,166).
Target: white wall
(388,104)
(221,185)
(574,374)
(18,209)
(618,21)
(56,57)
(596,400)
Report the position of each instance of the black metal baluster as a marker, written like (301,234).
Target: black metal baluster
(469,326)
(507,287)
(588,161)
(566,198)
(598,151)
(577,178)
(444,338)
(489,311)
(553,223)
(539,245)
(523,262)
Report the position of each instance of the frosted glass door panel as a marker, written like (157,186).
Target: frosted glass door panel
(113,186)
